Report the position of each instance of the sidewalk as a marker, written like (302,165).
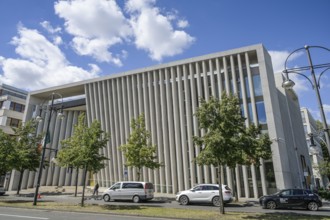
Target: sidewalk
(70,190)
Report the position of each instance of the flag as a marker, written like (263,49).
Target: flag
(45,142)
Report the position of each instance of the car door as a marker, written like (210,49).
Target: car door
(297,198)
(115,191)
(195,194)
(206,193)
(284,198)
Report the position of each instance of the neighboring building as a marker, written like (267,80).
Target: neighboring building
(315,152)
(12,106)
(168,95)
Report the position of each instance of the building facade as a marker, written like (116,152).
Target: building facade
(12,107)
(314,149)
(168,95)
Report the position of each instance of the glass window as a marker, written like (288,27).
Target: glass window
(298,192)
(286,193)
(257,85)
(261,112)
(13,122)
(247,87)
(250,112)
(116,186)
(242,110)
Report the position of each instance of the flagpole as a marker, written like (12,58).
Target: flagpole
(43,152)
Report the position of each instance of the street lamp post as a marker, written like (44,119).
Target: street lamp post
(315,82)
(52,108)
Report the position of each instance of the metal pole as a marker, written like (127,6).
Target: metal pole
(316,88)
(43,153)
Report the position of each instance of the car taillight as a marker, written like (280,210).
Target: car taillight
(227,191)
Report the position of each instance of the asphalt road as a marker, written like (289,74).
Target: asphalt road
(166,203)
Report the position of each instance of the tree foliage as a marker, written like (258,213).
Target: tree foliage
(82,149)
(226,140)
(324,168)
(26,154)
(138,151)
(7,150)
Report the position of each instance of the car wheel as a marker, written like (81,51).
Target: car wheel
(106,198)
(271,205)
(313,206)
(136,199)
(184,200)
(216,201)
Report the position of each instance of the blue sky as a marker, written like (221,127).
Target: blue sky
(48,43)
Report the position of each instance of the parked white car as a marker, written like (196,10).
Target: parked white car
(204,193)
(130,190)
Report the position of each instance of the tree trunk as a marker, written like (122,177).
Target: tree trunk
(84,186)
(76,190)
(138,173)
(20,182)
(233,176)
(222,208)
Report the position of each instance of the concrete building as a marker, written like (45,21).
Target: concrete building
(168,95)
(12,106)
(315,152)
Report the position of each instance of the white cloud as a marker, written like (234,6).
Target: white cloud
(278,60)
(46,25)
(154,32)
(96,25)
(41,64)
(183,23)
(326,108)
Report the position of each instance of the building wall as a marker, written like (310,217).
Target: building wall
(9,115)
(168,95)
(12,104)
(315,152)
(298,163)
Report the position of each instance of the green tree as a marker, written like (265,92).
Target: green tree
(227,141)
(324,168)
(26,153)
(7,150)
(138,151)
(82,149)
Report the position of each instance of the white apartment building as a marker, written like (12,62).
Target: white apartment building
(168,95)
(12,106)
(315,152)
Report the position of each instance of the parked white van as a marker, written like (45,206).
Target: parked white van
(129,190)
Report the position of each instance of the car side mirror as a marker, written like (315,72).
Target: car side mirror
(192,190)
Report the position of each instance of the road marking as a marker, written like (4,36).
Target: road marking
(22,216)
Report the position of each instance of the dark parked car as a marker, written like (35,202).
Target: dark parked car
(292,198)
(2,191)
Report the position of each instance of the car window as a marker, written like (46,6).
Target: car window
(132,186)
(149,186)
(116,186)
(198,188)
(286,193)
(227,188)
(297,192)
(214,188)
(207,188)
